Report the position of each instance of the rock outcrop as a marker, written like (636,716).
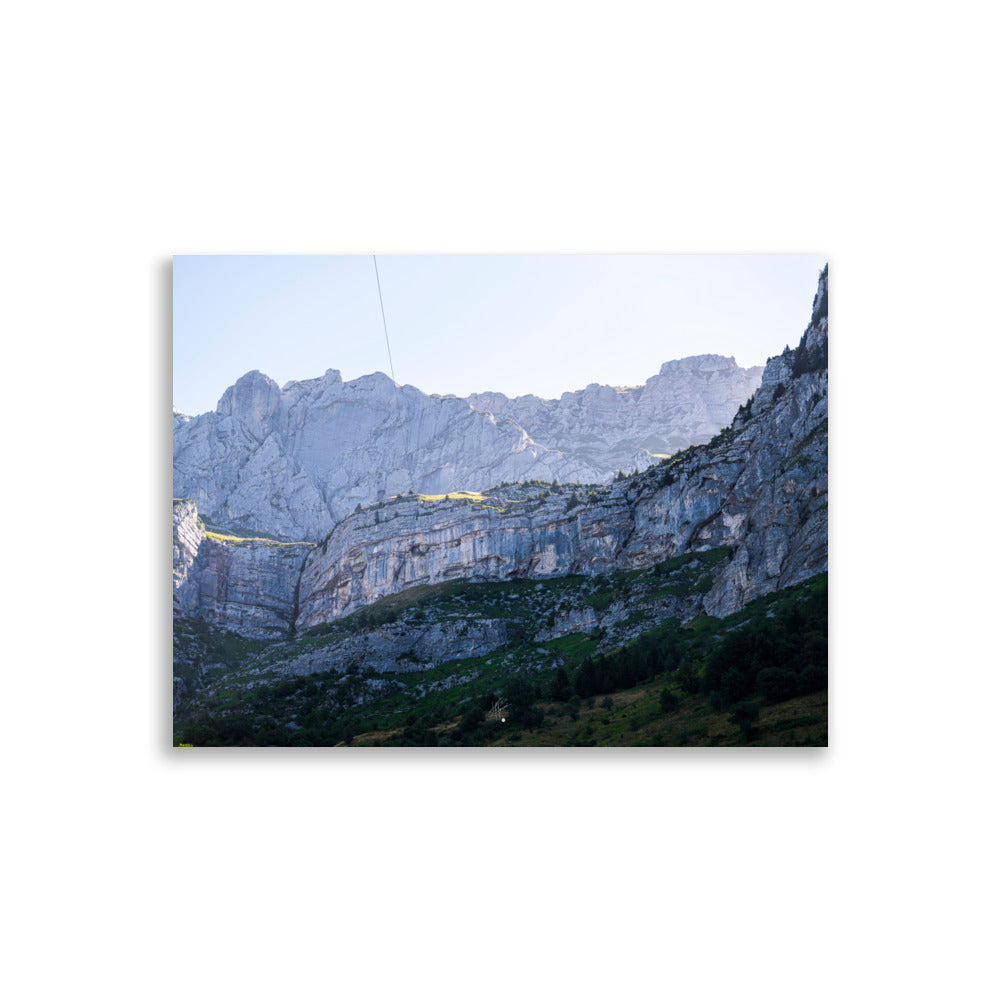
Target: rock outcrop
(249,586)
(292,461)
(409,542)
(612,428)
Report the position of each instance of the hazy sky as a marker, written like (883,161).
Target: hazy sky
(540,324)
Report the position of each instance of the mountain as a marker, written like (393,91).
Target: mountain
(293,461)
(622,428)
(421,597)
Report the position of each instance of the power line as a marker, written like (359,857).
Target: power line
(384,327)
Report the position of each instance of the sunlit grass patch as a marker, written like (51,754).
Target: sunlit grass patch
(457,495)
(244,540)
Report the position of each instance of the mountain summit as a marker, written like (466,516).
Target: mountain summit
(293,461)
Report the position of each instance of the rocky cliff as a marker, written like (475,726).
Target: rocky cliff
(508,533)
(292,461)
(757,491)
(612,428)
(246,585)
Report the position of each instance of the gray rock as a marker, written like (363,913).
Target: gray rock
(623,428)
(293,461)
(248,586)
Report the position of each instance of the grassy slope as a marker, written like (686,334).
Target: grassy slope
(320,710)
(635,718)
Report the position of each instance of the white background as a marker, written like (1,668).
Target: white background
(863,131)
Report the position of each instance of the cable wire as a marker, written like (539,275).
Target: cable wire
(384,327)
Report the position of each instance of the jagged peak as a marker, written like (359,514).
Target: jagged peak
(700,362)
(330,377)
(254,396)
(376,380)
(820,299)
(255,376)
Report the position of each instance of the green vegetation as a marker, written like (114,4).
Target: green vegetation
(775,656)
(505,498)
(757,677)
(198,645)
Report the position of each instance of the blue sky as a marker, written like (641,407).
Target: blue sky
(518,324)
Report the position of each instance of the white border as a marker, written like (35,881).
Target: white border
(138,132)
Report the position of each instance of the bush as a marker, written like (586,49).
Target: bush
(519,693)
(419,736)
(813,678)
(561,689)
(687,677)
(532,718)
(777,684)
(668,700)
(745,714)
(471,720)
(735,684)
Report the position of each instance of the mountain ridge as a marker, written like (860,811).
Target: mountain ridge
(292,461)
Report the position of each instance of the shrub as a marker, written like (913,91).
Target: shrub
(813,678)
(532,718)
(561,689)
(471,720)
(687,677)
(519,693)
(668,700)
(777,684)
(745,714)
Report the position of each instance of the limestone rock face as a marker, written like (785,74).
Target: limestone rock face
(623,428)
(761,491)
(422,647)
(248,587)
(410,542)
(188,536)
(293,461)
(256,401)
